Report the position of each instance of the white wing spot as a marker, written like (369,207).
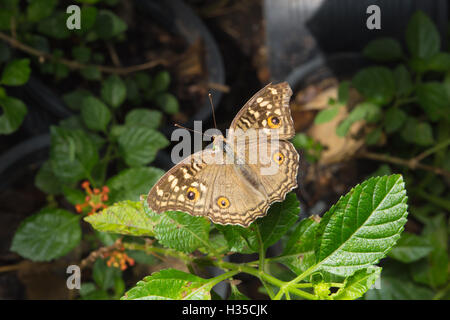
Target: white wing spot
(171,177)
(174,183)
(180,197)
(264,103)
(259,100)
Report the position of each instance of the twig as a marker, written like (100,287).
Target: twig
(113,54)
(412,164)
(100,253)
(78,65)
(432,150)
(12,267)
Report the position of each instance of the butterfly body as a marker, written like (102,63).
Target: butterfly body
(237,180)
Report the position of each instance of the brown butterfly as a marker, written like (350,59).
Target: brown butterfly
(236,192)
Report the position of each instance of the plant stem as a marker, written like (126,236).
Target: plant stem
(407,163)
(261,249)
(432,150)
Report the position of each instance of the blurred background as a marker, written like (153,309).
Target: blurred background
(366,102)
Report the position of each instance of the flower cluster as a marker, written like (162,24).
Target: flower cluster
(118,259)
(94,199)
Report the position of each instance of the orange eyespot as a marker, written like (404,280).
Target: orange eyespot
(192,194)
(274,122)
(223,202)
(278,157)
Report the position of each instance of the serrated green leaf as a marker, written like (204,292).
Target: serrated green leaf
(383,49)
(14,111)
(126,217)
(179,230)
(434,100)
(114,91)
(357,284)
(46,180)
(95,113)
(236,294)
(139,145)
(171,284)
(143,117)
(362,226)
(129,184)
(326,115)
(410,248)
(298,255)
(16,73)
(47,235)
(280,218)
(377,84)
(422,37)
(72,154)
(394,118)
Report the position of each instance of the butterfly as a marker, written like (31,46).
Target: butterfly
(236,192)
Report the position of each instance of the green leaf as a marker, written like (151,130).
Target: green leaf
(383,49)
(14,111)
(403,81)
(362,226)
(49,234)
(377,84)
(143,117)
(40,9)
(16,72)
(160,82)
(73,154)
(114,91)
(343,91)
(74,196)
(279,219)
(365,110)
(422,36)
(434,100)
(298,255)
(126,217)
(46,180)
(88,18)
(171,284)
(394,118)
(139,145)
(167,102)
(410,248)
(417,132)
(129,184)
(326,115)
(143,80)
(105,276)
(55,26)
(239,239)
(74,99)
(374,136)
(95,113)
(179,230)
(439,62)
(108,24)
(357,284)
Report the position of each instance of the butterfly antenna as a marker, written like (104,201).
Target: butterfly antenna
(212,107)
(180,126)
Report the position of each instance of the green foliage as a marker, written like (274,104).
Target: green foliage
(171,284)
(14,111)
(47,235)
(16,72)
